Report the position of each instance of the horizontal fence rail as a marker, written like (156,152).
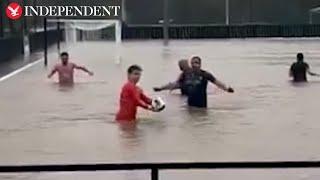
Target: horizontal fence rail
(155,167)
(162,166)
(221,31)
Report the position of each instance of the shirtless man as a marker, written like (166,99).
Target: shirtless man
(65,70)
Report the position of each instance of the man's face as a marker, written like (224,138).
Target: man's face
(135,76)
(195,63)
(64,59)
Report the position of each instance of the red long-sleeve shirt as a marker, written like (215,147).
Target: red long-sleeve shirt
(131,97)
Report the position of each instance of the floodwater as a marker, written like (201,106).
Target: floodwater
(268,118)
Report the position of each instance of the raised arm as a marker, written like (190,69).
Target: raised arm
(83,69)
(53,71)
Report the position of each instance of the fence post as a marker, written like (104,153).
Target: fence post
(45,42)
(310,17)
(154,174)
(1,21)
(227,12)
(59,37)
(165,22)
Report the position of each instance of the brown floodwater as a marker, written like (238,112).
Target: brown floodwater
(268,118)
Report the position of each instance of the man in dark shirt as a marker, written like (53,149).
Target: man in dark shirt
(196,84)
(299,70)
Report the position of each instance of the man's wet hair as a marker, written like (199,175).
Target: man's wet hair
(300,56)
(64,54)
(197,58)
(182,62)
(134,68)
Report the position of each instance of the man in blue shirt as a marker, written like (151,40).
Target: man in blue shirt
(196,83)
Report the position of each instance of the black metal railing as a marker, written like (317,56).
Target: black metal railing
(10,47)
(221,31)
(155,167)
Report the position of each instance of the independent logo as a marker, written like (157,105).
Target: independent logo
(14,11)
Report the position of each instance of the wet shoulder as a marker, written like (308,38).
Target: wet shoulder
(205,73)
(300,65)
(72,65)
(209,76)
(293,65)
(58,66)
(128,86)
(125,89)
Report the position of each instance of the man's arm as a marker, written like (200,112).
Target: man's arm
(83,69)
(146,99)
(291,70)
(170,86)
(139,100)
(53,71)
(218,83)
(311,73)
(222,86)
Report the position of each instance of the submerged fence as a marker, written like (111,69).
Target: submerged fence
(10,47)
(220,31)
(37,39)
(155,167)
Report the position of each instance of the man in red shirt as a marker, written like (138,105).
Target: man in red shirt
(132,96)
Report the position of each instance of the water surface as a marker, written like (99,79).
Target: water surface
(268,118)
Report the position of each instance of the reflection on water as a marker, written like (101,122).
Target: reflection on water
(128,129)
(268,118)
(66,88)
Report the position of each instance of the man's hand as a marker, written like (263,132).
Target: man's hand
(90,73)
(157,89)
(223,86)
(53,71)
(313,74)
(230,90)
(151,108)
